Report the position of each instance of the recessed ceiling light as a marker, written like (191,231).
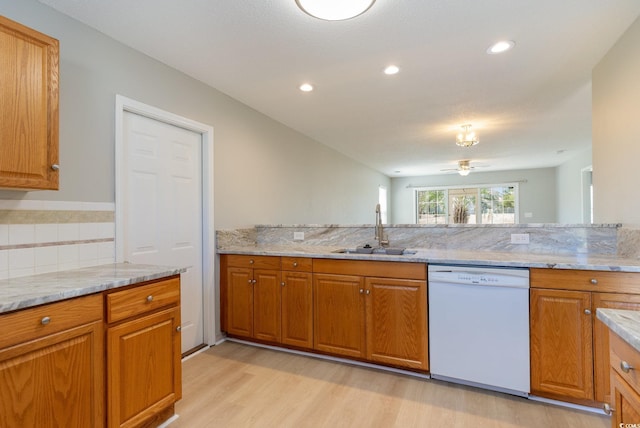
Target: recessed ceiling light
(501,46)
(306,87)
(392,69)
(334,10)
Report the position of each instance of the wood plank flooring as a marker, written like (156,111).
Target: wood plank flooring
(235,385)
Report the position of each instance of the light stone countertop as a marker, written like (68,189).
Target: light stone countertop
(28,291)
(624,323)
(483,258)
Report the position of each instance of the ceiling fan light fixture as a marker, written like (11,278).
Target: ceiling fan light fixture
(464,168)
(467,137)
(334,10)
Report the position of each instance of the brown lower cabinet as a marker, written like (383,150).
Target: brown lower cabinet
(144,368)
(625,383)
(569,345)
(366,310)
(52,365)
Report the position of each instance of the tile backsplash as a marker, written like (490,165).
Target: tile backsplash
(50,236)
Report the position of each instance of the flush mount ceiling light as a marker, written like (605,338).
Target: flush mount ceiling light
(391,70)
(334,10)
(306,87)
(467,137)
(501,46)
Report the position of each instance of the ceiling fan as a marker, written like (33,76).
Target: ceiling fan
(464,167)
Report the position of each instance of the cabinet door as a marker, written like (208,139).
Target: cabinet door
(297,309)
(29,107)
(240,301)
(339,320)
(626,402)
(601,339)
(144,372)
(266,305)
(397,322)
(561,344)
(55,381)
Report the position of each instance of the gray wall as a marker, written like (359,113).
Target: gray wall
(264,171)
(537,194)
(569,189)
(616,114)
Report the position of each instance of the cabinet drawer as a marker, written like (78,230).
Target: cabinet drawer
(380,269)
(623,354)
(586,280)
(40,321)
(144,298)
(301,264)
(254,262)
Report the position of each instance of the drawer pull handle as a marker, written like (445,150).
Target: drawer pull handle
(606,408)
(625,367)
(295,264)
(45,320)
(251,261)
(149,298)
(594,281)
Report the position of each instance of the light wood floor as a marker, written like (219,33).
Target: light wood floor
(237,385)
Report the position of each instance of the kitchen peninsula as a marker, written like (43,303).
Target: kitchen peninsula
(574,270)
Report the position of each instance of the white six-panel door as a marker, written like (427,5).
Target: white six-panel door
(163,208)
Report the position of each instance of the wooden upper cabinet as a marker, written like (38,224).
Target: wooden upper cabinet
(28,108)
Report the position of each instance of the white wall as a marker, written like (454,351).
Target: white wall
(537,194)
(264,171)
(616,122)
(569,189)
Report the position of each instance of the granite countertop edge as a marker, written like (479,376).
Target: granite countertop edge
(28,291)
(484,258)
(624,323)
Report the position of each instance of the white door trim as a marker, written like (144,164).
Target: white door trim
(124,104)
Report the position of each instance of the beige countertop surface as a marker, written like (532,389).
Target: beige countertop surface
(28,291)
(432,256)
(624,323)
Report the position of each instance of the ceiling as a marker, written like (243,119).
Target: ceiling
(531,106)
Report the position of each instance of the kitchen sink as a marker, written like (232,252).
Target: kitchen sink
(376,251)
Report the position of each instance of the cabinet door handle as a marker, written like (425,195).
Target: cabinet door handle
(625,367)
(361,291)
(282,283)
(587,311)
(55,167)
(253,282)
(594,281)
(179,329)
(249,281)
(45,320)
(149,298)
(367,292)
(607,409)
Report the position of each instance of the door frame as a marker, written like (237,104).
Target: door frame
(124,104)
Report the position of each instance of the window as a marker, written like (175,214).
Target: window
(492,204)
(382,200)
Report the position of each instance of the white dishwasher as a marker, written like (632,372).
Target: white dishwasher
(479,326)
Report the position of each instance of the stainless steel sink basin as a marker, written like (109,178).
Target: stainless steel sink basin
(376,251)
